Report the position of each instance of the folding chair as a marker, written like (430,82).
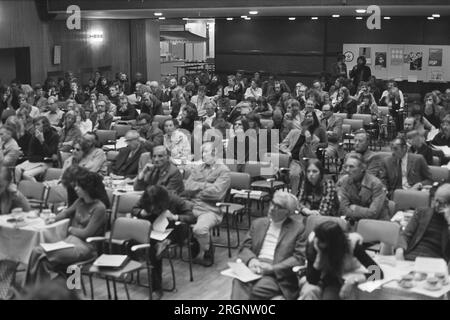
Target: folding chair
(53,174)
(439,174)
(274,183)
(57,196)
(240,182)
(124,231)
(384,232)
(410,199)
(107,137)
(121,129)
(355,125)
(35,192)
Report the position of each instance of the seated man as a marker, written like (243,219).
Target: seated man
(418,146)
(443,137)
(157,201)
(54,114)
(371,159)
(408,124)
(161,172)
(207,184)
(333,126)
(151,135)
(9,149)
(361,195)
(428,232)
(127,160)
(272,247)
(403,170)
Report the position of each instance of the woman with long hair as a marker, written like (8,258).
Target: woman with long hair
(432,111)
(22,136)
(87,219)
(330,254)
(345,103)
(176,141)
(318,195)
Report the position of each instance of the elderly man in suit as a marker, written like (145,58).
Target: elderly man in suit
(271,248)
(127,160)
(333,126)
(361,195)
(404,170)
(161,172)
(428,232)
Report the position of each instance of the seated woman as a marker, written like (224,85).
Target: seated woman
(85,154)
(330,254)
(158,201)
(83,122)
(69,133)
(318,195)
(42,151)
(345,103)
(10,197)
(300,144)
(177,142)
(88,219)
(188,117)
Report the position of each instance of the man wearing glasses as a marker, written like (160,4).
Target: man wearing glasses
(403,170)
(271,248)
(127,160)
(428,232)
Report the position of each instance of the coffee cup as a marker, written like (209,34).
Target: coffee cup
(433,282)
(420,276)
(442,277)
(407,281)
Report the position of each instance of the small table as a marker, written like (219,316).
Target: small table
(16,244)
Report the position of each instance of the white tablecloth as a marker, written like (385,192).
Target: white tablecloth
(17,243)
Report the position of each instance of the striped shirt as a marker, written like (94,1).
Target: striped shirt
(270,241)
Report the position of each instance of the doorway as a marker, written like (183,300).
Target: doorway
(15,64)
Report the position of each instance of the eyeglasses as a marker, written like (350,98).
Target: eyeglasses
(276,205)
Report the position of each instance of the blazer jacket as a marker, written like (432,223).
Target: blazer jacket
(415,230)
(335,126)
(289,252)
(417,171)
(127,167)
(170,177)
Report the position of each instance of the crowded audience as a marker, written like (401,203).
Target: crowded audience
(168,154)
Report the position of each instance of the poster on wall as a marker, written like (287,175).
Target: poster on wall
(435,57)
(396,56)
(436,75)
(380,60)
(414,59)
(365,52)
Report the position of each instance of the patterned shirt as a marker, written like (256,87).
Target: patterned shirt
(322,198)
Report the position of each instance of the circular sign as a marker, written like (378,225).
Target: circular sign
(349,56)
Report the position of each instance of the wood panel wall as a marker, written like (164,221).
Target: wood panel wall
(20,26)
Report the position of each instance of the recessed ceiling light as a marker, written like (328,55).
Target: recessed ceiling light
(335,16)
(253,12)
(185,19)
(358,18)
(158,14)
(314,18)
(162,18)
(387,18)
(248,18)
(229,19)
(360,10)
(430,18)
(292,18)
(436,15)
(243,17)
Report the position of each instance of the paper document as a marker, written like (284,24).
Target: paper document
(111,260)
(430,265)
(433,132)
(160,235)
(240,271)
(159,231)
(48,247)
(444,149)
